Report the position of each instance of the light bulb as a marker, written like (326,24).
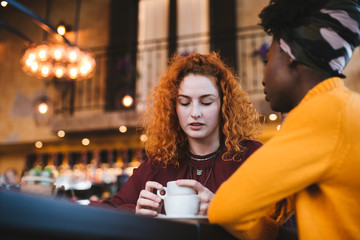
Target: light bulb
(85,141)
(43,54)
(58,53)
(61,133)
(45,71)
(32,56)
(143,138)
(43,108)
(273,117)
(38,144)
(61,30)
(72,56)
(59,72)
(127,101)
(4,3)
(34,66)
(122,129)
(28,62)
(73,73)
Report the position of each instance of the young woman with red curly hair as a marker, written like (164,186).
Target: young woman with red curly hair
(200,126)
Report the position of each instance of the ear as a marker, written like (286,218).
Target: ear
(290,61)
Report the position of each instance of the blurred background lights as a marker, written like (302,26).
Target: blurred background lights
(38,144)
(127,101)
(4,3)
(43,108)
(61,133)
(143,138)
(273,117)
(61,29)
(46,60)
(122,129)
(278,127)
(85,141)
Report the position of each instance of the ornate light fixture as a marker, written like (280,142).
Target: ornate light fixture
(52,60)
(46,60)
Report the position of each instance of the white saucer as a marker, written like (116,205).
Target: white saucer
(181,217)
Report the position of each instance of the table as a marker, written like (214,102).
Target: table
(24,216)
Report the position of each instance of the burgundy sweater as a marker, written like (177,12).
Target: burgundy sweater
(128,195)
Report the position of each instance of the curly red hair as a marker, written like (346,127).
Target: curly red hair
(239,120)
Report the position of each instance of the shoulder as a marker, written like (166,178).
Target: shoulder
(251,146)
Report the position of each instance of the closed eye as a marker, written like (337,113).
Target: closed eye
(184,104)
(206,103)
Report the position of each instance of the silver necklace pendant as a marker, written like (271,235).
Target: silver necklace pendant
(199,172)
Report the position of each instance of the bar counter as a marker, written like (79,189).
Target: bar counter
(24,216)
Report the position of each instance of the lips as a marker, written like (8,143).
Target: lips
(196,125)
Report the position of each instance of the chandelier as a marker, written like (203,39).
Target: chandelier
(47,60)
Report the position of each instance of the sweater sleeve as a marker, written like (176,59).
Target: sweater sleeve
(297,157)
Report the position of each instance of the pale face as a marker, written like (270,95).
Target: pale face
(198,108)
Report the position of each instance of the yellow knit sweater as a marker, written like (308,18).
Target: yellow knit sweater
(314,158)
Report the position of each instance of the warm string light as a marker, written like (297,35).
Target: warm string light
(43,108)
(273,117)
(61,29)
(61,133)
(127,101)
(143,138)
(38,144)
(62,62)
(4,3)
(85,141)
(122,129)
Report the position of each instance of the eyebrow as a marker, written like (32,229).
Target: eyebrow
(201,97)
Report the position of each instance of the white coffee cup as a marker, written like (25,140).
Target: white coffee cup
(182,205)
(179,201)
(173,189)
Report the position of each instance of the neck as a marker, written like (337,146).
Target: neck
(306,78)
(203,148)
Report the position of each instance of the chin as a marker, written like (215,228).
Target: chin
(196,136)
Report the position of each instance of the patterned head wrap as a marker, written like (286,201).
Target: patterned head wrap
(326,40)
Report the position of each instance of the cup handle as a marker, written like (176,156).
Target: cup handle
(158,192)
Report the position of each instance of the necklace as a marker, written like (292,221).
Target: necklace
(204,159)
(199,171)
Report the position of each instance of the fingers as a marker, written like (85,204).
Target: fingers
(203,208)
(150,185)
(204,193)
(148,203)
(147,207)
(190,183)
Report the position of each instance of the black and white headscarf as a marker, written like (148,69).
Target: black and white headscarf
(327,39)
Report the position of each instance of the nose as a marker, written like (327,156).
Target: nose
(263,83)
(195,111)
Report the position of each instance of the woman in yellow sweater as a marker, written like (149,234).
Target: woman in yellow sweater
(314,160)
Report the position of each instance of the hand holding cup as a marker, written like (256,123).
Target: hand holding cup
(203,193)
(149,203)
(179,201)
